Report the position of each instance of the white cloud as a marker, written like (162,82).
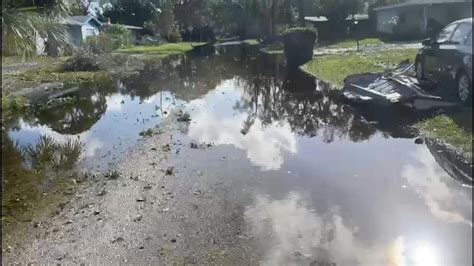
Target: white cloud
(214,120)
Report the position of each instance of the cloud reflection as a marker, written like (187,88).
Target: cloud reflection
(430,182)
(215,120)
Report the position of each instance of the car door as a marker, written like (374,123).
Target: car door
(451,53)
(433,54)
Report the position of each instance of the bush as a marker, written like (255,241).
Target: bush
(100,44)
(298,45)
(82,62)
(120,36)
(117,36)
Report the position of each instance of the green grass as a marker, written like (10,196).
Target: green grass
(446,130)
(251,42)
(353,43)
(163,49)
(335,68)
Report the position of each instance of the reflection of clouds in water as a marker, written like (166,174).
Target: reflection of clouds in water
(426,178)
(93,146)
(114,102)
(214,120)
(293,234)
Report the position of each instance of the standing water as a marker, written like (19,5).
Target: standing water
(312,180)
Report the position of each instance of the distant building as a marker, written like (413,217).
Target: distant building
(81,27)
(357,23)
(414,18)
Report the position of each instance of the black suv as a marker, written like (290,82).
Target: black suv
(447,59)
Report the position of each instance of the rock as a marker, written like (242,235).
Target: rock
(113,175)
(194,145)
(96,212)
(118,239)
(138,218)
(36,224)
(166,148)
(141,247)
(101,193)
(147,187)
(419,141)
(68,222)
(170,170)
(173,240)
(141,199)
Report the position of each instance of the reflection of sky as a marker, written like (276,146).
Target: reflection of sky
(117,129)
(381,202)
(215,120)
(292,233)
(428,180)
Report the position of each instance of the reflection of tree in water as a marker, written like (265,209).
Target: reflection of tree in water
(73,118)
(31,171)
(307,110)
(187,77)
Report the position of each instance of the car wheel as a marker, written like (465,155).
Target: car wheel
(420,72)
(464,88)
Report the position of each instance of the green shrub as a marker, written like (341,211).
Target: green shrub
(82,62)
(100,44)
(116,37)
(120,36)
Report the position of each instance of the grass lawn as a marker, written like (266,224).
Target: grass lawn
(163,49)
(446,130)
(251,42)
(350,43)
(335,68)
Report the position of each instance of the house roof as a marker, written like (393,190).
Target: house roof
(324,19)
(421,2)
(82,20)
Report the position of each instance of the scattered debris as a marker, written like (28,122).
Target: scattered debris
(138,218)
(118,239)
(183,117)
(170,170)
(150,132)
(112,175)
(419,141)
(166,148)
(101,193)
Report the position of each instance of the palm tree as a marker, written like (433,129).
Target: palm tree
(21,25)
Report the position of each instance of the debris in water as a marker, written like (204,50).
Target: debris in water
(419,141)
(170,170)
(183,117)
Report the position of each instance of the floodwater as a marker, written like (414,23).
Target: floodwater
(329,185)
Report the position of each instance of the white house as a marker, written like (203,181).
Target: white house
(81,27)
(413,15)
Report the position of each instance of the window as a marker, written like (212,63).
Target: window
(461,33)
(445,33)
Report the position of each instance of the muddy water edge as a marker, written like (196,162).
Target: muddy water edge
(228,158)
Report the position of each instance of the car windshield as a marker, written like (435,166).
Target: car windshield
(461,33)
(444,35)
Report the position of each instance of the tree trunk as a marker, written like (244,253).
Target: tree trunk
(301,13)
